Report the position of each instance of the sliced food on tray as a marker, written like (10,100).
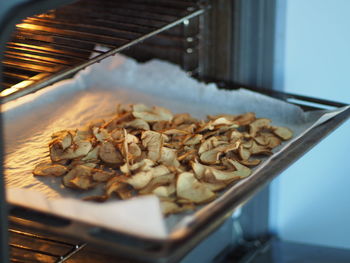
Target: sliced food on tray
(145,150)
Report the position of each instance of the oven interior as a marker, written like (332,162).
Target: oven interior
(49,46)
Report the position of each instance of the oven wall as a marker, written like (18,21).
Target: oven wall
(309,202)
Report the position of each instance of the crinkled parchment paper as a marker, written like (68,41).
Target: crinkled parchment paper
(94,93)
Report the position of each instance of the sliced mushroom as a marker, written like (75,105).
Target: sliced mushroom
(258,124)
(79,177)
(101,134)
(169,207)
(153,141)
(138,124)
(48,169)
(109,154)
(169,157)
(140,180)
(92,155)
(243,153)
(62,139)
(165,191)
(283,132)
(165,179)
(188,187)
(76,150)
(101,175)
(212,156)
(258,149)
(149,114)
(245,119)
(193,139)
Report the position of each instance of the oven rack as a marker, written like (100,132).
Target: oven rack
(49,47)
(29,247)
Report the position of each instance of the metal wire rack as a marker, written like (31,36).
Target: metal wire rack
(48,47)
(29,247)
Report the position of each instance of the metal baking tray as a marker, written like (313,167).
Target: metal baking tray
(183,240)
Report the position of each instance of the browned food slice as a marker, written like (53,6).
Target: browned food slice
(92,155)
(165,179)
(139,180)
(243,153)
(151,114)
(234,171)
(165,190)
(99,175)
(188,187)
(121,189)
(249,163)
(193,139)
(79,177)
(76,150)
(138,124)
(169,207)
(258,124)
(48,169)
(212,156)
(110,154)
(63,139)
(144,165)
(245,119)
(101,134)
(258,149)
(153,141)
(283,132)
(169,157)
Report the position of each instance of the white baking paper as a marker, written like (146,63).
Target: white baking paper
(94,93)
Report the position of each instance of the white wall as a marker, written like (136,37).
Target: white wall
(311,200)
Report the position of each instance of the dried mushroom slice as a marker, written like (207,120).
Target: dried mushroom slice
(79,177)
(121,189)
(101,134)
(165,191)
(193,139)
(258,124)
(144,165)
(153,141)
(244,153)
(258,149)
(138,124)
(110,154)
(169,207)
(282,132)
(62,139)
(212,156)
(249,163)
(189,188)
(169,157)
(139,180)
(48,169)
(76,150)
(245,119)
(165,179)
(151,114)
(92,156)
(101,175)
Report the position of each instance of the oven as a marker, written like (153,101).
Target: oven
(43,42)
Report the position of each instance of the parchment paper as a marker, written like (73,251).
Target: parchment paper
(94,93)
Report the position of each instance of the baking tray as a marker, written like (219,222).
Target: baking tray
(182,241)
